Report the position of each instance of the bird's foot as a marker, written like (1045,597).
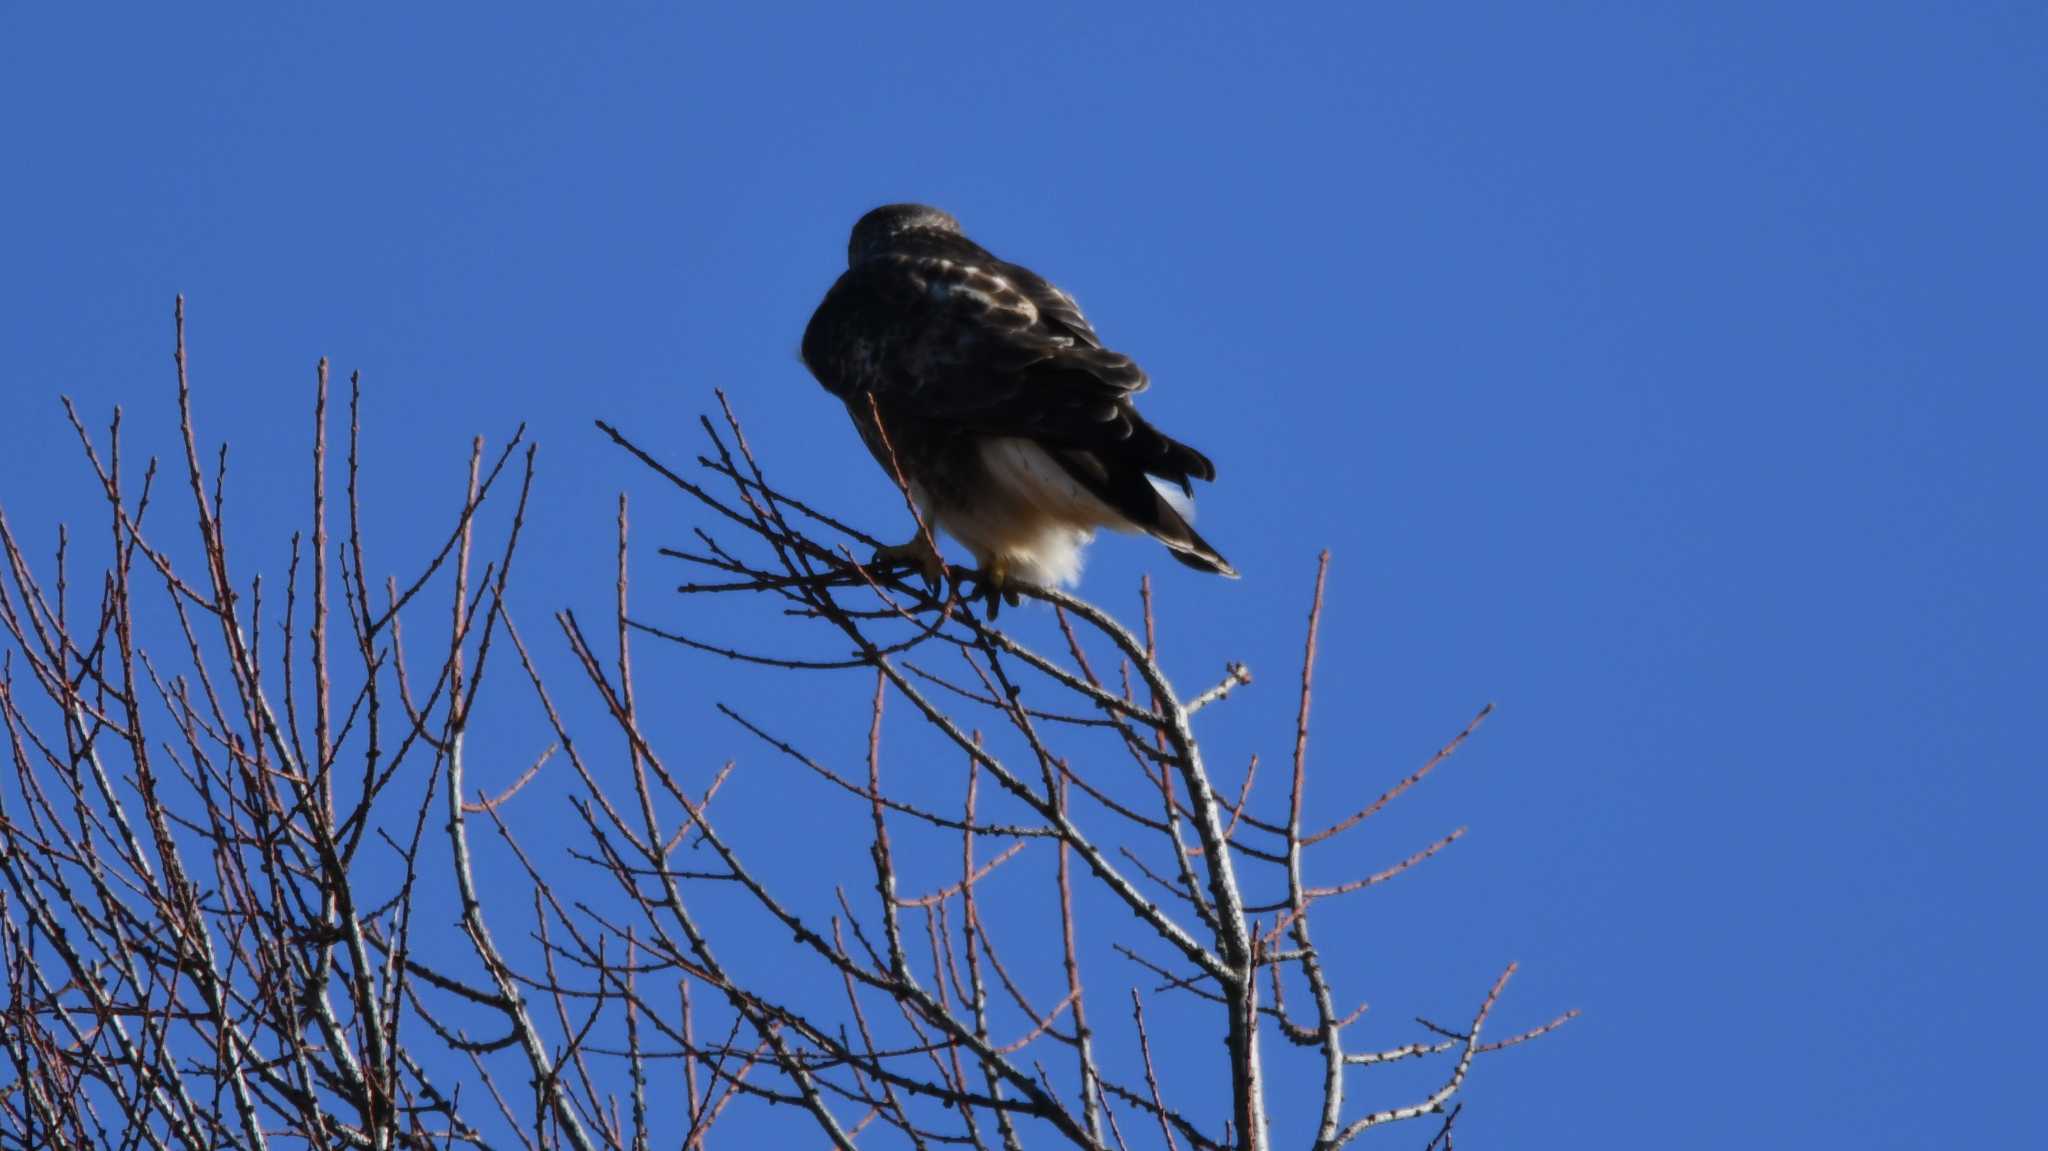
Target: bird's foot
(918,552)
(992,586)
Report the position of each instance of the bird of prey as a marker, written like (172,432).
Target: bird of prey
(1012,424)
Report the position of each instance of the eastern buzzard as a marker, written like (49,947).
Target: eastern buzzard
(1013,425)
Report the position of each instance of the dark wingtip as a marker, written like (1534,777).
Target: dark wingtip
(1209,562)
(1196,553)
(1196,465)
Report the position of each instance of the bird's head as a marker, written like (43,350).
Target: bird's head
(877,231)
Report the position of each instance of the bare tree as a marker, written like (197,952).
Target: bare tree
(240,856)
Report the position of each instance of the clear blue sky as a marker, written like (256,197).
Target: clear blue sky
(1671,375)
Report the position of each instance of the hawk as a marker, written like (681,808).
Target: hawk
(1013,425)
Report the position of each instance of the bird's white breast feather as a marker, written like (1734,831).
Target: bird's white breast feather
(1029,472)
(1040,516)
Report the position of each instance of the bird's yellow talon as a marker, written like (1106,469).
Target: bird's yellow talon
(995,590)
(918,552)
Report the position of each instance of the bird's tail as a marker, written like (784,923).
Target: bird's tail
(1159,508)
(1147,488)
(1186,544)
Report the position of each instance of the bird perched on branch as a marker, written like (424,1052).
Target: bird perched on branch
(999,409)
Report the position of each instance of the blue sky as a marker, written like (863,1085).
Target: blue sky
(1671,375)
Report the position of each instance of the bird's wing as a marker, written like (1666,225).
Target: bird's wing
(976,345)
